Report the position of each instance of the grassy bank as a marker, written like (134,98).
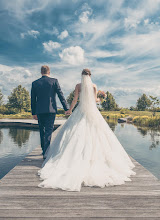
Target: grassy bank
(140,118)
(147,121)
(26,115)
(123,114)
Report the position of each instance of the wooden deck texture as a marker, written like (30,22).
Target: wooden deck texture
(21,198)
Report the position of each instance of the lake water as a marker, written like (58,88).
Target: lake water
(141,143)
(15,144)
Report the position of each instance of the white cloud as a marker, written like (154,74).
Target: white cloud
(134,70)
(131,22)
(31,33)
(22,35)
(84,13)
(95,31)
(22,8)
(150,6)
(114,6)
(5,68)
(27,73)
(73,55)
(122,80)
(150,25)
(63,34)
(139,45)
(84,17)
(134,18)
(146,21)
(15,73)
(103,54)
(50,46)
(12,76)
(53,31)
(127,96)
(143,10)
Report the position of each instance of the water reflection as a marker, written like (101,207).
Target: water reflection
(144,131)
(19,136)
(141,143)
(112,123)
(154,136)
(11,150)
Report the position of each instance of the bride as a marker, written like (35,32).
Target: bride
(85,151)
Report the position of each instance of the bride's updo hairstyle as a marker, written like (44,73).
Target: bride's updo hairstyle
(86,72)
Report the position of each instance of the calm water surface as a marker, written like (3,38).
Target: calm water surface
(142,144)
(15,144)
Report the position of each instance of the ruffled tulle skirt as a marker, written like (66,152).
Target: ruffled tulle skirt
(85,152)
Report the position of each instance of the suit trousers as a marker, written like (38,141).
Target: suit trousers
(46,126)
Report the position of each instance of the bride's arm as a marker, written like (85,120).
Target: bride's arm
(95,93)
(74,99)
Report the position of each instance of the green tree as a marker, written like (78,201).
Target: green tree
(155,102)
(1,97)
(70,99)
(143,103)
(133,108)
(109,103)
(19,136)
(19,99)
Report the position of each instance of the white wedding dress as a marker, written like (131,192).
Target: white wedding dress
(85,151)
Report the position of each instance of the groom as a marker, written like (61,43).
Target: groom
(43,105)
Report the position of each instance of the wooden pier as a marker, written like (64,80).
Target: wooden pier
(21,198)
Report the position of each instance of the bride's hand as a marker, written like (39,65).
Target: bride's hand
(98,100)
(68,112)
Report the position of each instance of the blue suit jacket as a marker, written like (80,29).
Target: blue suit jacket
(43,96)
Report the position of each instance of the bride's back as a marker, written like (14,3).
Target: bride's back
(79,87)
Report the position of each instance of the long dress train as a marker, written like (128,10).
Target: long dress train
(85,151)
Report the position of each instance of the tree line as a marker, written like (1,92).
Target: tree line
(19,100)
(108,103)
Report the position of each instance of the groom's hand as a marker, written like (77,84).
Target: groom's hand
(35,117)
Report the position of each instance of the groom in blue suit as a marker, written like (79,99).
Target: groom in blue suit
(43,105)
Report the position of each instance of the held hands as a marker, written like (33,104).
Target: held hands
(68,112)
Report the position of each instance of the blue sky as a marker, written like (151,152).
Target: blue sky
(117,39)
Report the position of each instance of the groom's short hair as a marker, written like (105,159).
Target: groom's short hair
(45,69)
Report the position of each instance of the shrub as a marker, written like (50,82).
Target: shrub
(147,121)
(3,109)
(124,110)
(60,111)
(7,111)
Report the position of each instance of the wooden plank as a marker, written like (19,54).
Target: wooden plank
(79,213)
(81,218)
(83,202)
